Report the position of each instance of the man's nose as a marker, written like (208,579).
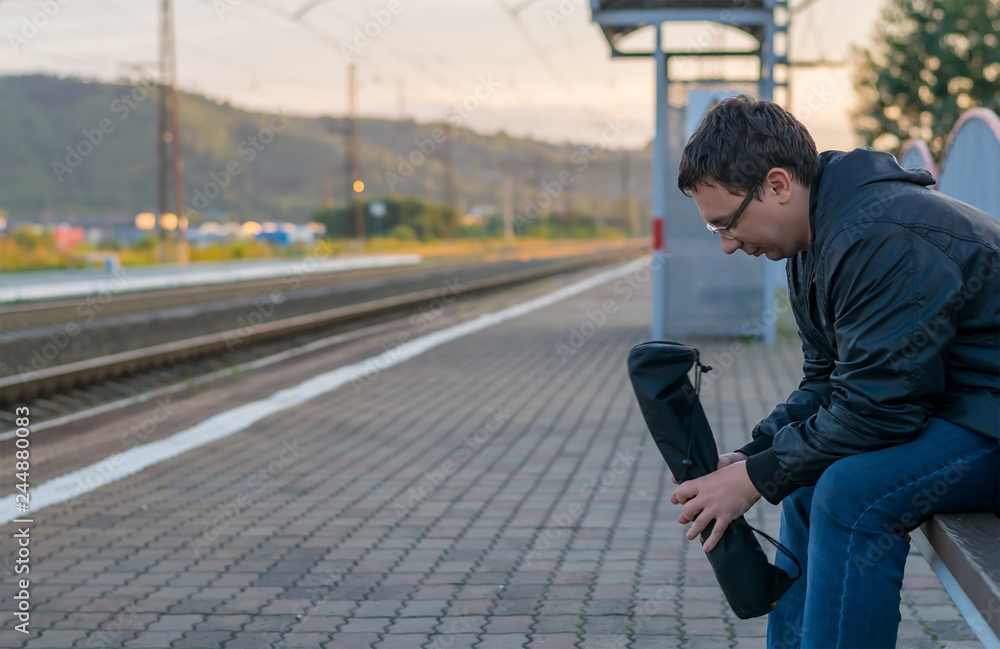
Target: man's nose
(729,246)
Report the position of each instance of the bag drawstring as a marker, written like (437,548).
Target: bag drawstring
(698,369)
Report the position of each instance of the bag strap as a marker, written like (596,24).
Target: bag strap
(783,549)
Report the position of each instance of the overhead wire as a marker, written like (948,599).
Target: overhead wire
(337,44)
(546,62)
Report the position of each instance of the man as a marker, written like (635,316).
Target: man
(896,292)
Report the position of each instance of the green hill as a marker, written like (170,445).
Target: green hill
(70,146)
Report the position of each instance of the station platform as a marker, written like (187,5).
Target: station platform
(53,284)
(498,490)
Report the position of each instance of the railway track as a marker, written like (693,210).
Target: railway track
(55,393)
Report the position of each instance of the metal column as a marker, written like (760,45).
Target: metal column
(690,297)
(659,269)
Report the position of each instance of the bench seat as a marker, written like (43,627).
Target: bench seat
(964,552)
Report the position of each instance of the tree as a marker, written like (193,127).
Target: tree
(932,60)
(427,219)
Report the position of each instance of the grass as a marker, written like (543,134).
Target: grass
(29,251)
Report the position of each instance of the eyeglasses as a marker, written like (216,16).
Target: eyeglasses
(726,231)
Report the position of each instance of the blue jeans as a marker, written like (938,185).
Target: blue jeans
(849,533)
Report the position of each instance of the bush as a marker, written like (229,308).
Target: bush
(147,242)
(403,232)
(425,219)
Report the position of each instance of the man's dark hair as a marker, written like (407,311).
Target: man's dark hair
(740,140)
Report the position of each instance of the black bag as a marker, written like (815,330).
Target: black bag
(677,422)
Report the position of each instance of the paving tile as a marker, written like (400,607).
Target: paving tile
(452,641)
(403,641)
(470,607)
(423,608)
(384,608)
(502,641)
(704,626)
(413,625)
(351,641)
(603,641)
(553,641)
(270,623)
(83,621)
(311,639)
(51,638)
(613,624)
(175,623)
(561,607)
(365,625)
(222,622)
(707,642)
(508,624)
(516,607)
(202,640)
(154,639)
(558,624)
(252,640)
(318,623)
(951,630)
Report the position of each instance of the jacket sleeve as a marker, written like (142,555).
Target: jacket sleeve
(813,391)
(894,302)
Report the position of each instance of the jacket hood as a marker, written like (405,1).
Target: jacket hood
(839,174)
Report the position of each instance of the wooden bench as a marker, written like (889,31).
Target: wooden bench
(964,552)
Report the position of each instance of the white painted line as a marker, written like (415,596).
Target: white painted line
(224,424)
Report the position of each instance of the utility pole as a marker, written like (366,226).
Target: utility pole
(163,134)
(326,190)
(354,183)
(169,128)
(569,198)
(175,112)
(450,195)
(508,206)
(536,171)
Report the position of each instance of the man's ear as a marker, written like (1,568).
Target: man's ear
(778,182)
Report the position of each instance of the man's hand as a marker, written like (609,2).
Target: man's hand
(724,461)
(731,458)
(722,496)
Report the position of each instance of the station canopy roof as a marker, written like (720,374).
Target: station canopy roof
(618,18)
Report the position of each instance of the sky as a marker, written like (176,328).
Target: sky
(544,72)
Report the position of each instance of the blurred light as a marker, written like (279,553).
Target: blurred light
(3,223)
(168,221)
(316,227)
(184,223)
(209,227)
(288,227)
(145,221)
(251,228)
(168,137)
(359,186)
(270,226)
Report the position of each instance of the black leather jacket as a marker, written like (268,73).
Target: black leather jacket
(897,300)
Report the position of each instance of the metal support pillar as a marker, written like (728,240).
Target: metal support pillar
(767,60)
(660,175)
(682,307)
